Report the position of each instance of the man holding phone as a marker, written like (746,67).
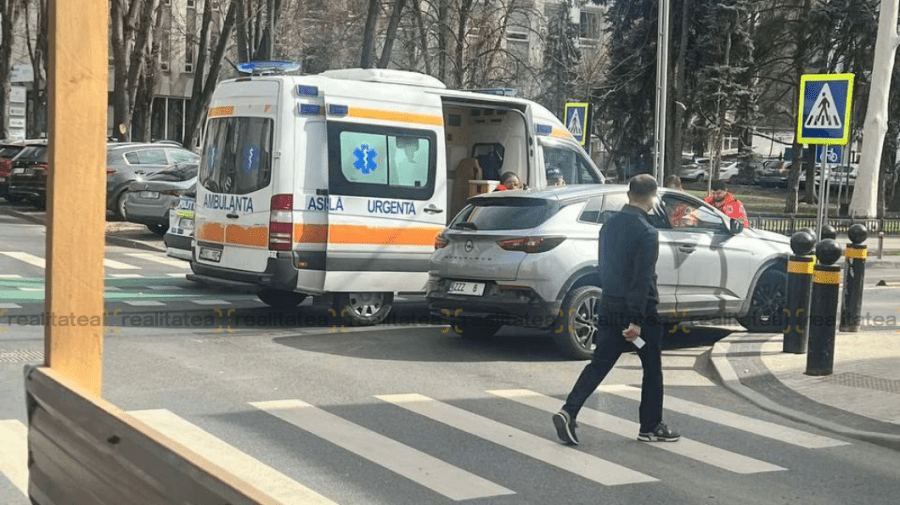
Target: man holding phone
(628,320)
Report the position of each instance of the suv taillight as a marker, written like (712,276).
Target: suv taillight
(440,241)
(530,244)
(281,222)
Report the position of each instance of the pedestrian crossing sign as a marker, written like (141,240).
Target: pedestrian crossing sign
(576,116)
(825,105)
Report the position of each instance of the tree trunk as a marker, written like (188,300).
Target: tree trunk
(675,146)
(243,46)
(423,36)
(201,98)
(391,34)
(120,71)
(368,47)
(465,8)
(9,11)
(443,38)
(865,194)
(791,199)
(716,162)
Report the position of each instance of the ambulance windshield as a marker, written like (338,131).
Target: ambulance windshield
(237,155)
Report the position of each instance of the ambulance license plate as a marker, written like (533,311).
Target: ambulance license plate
(214,255)
(466,288)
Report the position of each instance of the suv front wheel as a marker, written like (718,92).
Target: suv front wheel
(476,328)
(767,305)
(576,325)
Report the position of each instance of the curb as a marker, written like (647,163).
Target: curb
(725,373)
(120,241)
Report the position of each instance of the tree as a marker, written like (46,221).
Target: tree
(255,24)
(203,87)
(132,27)
(561,57)
(9,13)
(36,40)
(391,34)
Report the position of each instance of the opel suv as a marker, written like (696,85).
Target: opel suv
(530,259)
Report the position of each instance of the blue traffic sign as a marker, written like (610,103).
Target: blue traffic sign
(576,121)
(825,104)
(835,154)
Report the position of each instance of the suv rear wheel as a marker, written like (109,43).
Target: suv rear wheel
(280,299)
(363,309)
(767,304)
(576,325)
(476,328)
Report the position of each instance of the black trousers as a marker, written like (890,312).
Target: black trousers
(610,345)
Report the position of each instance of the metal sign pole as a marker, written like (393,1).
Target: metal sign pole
(823,194)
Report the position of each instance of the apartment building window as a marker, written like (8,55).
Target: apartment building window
(190,31)
(167,118)
(589,25)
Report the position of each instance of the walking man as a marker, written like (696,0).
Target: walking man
(628,319)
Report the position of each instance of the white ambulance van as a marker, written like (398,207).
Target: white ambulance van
(335,185)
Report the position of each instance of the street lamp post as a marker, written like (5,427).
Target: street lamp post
(662,78)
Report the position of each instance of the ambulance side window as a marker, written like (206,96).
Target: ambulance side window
(379,161)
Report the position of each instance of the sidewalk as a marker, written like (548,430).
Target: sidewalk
(861,399)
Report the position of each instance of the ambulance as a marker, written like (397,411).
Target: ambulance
(336,185)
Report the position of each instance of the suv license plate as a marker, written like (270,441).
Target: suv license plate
(466,288)
(214,255)
(149,195)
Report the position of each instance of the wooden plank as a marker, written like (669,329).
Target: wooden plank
(76,189)
(83,450)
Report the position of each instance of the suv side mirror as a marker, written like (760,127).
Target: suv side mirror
(736,226)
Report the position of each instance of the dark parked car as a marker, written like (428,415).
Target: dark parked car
(133,162)
(774,174)
(8,151)
(28,177)
(148,201)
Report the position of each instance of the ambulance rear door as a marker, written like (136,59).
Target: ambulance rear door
(387,186)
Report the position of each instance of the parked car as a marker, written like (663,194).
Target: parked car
(8,151)
(694,172)
(149,200)
(842,175)
(28,176)
(530,259)
(180,235)
(774,174)
(126,163)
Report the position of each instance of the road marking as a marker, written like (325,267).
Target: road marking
(686,447)
(143,303)
(118,265)
(179,275)
(25,257)
(280,487)
(14,456)
(732,420)
(211,302)
(126,276)
(31,288)
(10,306)
(164,288)
(112,288)
(541,449)
(162,259)
(10,276)
(439,476)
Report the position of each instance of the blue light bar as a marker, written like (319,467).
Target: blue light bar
(310,109)
(304,90)
(267,67)
(543,129)
(338,110)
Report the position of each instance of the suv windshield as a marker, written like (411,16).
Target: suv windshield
(237,155)
(504,214)
(33,154)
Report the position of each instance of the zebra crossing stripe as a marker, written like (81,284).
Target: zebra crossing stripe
(26,258)
(439,476)
(126,276)
(10,276)
(213,301)
(737,421)
(118,265)
(14,456)
(541,449)
(161,259)
(686,447)
(143,303)
(280,487)
(10,306)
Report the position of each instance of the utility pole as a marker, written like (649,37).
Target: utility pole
(662,83)
(865,193)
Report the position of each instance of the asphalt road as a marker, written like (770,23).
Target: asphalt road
(413,414)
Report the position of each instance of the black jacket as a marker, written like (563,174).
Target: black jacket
(629,247)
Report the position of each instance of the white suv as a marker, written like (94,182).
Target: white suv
(530,259)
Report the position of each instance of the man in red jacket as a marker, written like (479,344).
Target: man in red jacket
(723,200)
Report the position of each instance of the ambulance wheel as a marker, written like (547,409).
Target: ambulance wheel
(363,309)
(280,299)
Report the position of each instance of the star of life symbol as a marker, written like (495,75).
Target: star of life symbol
(824,113)
(365,159)
(575,124)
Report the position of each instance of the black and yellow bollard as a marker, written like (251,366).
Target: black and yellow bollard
(799,283)
(829,231)
(823,309)
(854,275)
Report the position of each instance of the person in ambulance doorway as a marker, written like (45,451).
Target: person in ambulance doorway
(720,198)
(509,181)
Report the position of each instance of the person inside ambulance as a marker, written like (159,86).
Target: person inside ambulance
(555,178)
(720,198)
(509,181)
